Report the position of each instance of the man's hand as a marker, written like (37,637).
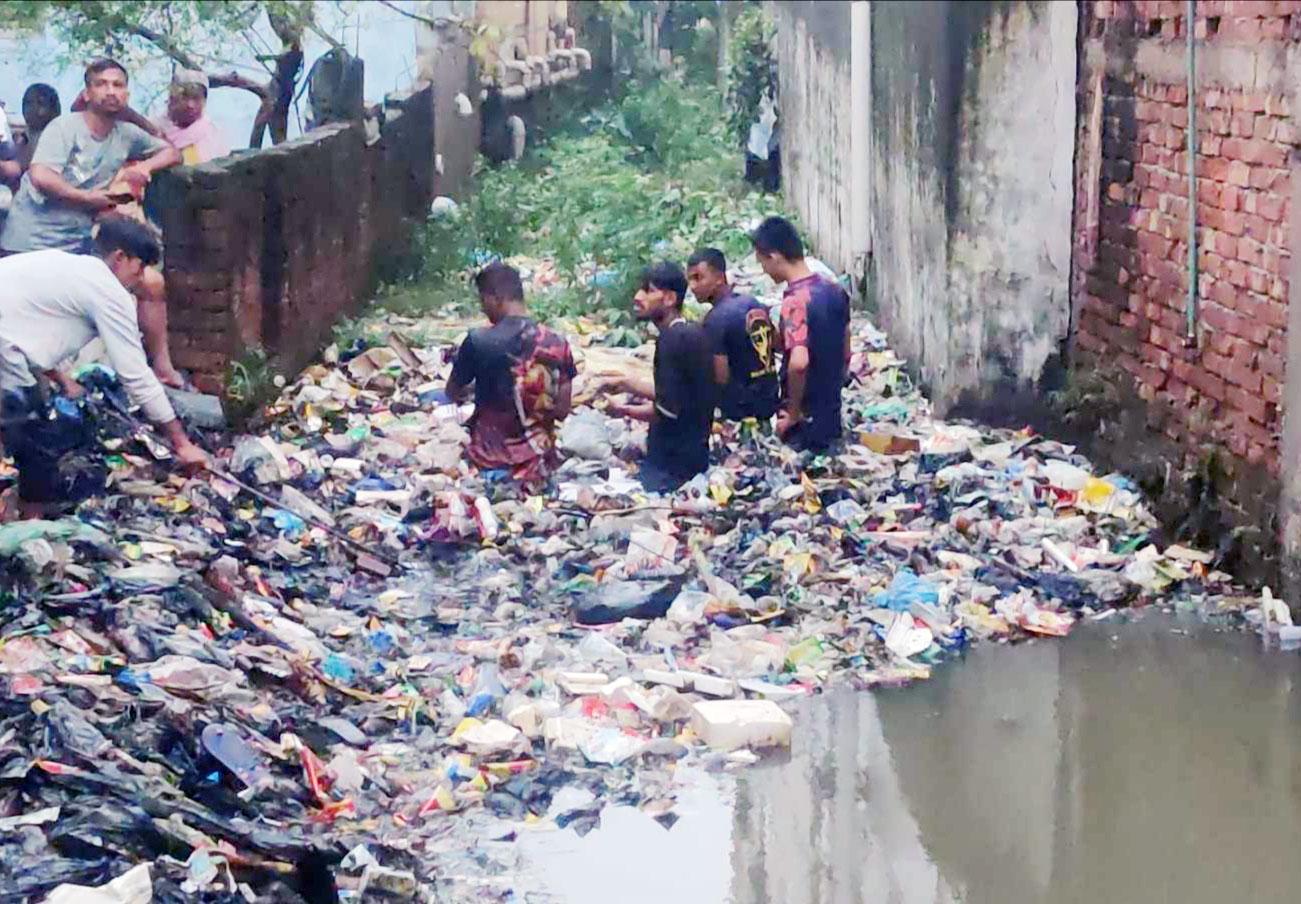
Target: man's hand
(99,200)
(171,378)
(136,176)
(191,458)
(609,382)
(788,421)
(68,386)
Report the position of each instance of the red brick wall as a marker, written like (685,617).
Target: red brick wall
(271,248)
(1130,274)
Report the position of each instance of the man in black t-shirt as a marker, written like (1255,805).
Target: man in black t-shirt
(522,375)
(681,414)
(742,337)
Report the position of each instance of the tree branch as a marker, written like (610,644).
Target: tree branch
(441,22)
(235,80)
(162,42)
(166,45)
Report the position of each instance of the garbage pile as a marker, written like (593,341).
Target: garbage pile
(206,697)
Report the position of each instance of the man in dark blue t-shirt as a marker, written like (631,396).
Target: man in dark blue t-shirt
(681,414)
(815,339)
(742,338)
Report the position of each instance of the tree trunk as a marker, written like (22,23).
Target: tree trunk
(274,113)
(724,42)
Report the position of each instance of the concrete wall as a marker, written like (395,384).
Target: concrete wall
(965,199)
(973,114)
(814,54)
(270,248)
(445,62)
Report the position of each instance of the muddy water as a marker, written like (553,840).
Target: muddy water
(1153,761)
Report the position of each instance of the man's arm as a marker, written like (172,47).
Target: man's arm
(795,347)
(130,114)
(638,411)
(634,386)
(722,372)
(50,183)
(797,374)
(162,159)
(115,321)
(564,398)
(458,384)
(10,172)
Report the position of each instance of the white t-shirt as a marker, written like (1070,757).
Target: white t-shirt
(52,303)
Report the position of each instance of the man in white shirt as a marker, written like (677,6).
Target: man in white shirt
(51,304)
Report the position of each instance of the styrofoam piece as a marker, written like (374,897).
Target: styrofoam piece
(729,724)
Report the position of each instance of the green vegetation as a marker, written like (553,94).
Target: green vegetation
(752,69)
(653,175)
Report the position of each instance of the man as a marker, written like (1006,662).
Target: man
(682,413)
(522,374)
(51,304)
(66,188)
(742,337)
(77,157)
(815,339)
(186,125)
(40,108)
(10,168)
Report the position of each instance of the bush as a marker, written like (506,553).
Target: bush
(651,177)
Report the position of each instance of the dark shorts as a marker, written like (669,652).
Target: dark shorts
(54,447)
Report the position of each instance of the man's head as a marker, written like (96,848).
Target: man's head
(659,297)
(777,246)
(707,275)
(106,87)
(500,290)
(40,106)
(187,97)
(127,246)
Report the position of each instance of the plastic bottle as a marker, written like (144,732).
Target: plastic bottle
(487,691)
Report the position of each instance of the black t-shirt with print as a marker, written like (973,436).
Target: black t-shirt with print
(685,395)
(740,328)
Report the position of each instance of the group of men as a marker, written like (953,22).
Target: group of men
(78,261)
(73,267)
(521,372)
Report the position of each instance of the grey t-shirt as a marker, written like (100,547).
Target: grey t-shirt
(36,222)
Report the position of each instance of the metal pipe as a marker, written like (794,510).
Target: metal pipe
(1190,307)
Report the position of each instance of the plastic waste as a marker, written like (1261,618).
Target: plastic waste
(905,589)
(487,691)
(586,435)
(224,743)
(135,886)
(618,600)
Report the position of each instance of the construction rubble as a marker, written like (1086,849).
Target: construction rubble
(207,697)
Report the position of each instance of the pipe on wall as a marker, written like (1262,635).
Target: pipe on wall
(860,106)
(1190,306)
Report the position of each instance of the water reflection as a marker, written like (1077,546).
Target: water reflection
(1129,763)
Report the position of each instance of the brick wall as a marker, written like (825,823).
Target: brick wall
(270,248)
(1220,394)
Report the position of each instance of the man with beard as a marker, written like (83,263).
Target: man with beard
(679,404)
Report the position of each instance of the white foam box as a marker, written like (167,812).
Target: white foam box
(730,724)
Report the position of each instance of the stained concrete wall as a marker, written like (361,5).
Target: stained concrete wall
(965,126)
(814,54)
(973,118)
